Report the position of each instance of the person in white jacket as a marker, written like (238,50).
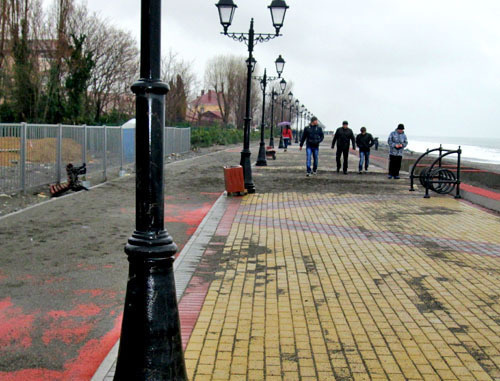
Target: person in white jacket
(397,142)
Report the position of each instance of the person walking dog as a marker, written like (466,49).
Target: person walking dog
(397,142)
(313,136)
(342,137)
(364,141)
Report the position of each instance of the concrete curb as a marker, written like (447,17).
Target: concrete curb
(481,197)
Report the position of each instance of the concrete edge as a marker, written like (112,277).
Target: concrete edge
(106,364)
(197,243)
(197,233)
(481,200)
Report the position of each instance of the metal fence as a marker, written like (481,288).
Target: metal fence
(33,155)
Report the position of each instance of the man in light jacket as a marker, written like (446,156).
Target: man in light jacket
(397,142)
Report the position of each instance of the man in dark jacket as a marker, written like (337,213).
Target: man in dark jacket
(313,136)
(342,137)
(364,141)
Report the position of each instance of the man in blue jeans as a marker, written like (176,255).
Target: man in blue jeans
(313,136)
(364,141)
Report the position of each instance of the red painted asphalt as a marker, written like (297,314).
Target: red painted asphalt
(25,330)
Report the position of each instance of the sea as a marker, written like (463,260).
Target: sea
(480,150)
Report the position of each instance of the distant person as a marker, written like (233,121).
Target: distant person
(342,137)
(313,136)
(287,136)
(397,142)
(364,141)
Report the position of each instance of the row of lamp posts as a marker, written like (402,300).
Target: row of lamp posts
(280,64)
(150,342)
(278,10)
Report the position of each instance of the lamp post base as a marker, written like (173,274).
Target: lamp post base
(247,170)
(261,159)
(281,145)
(271,142)
(150,343)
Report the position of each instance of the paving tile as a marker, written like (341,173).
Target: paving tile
(340,285)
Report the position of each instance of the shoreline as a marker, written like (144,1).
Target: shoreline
(465,163)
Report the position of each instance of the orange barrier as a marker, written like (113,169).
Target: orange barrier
(233,178)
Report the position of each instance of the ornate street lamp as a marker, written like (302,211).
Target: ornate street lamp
(280,65)
(226,13)
(226,9)
(253,63)
(283,85)
(150,342)
(278,10)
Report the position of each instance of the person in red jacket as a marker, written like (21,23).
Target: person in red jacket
(287,136)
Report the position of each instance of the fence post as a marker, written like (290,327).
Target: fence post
(23,156)
(104,158)
(165,140)
(122,158)
(189,140)
(59,153)
(84,144)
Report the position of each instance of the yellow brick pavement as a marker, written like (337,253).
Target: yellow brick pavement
(323,287)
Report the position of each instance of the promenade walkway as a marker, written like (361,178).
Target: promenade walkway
(343,282)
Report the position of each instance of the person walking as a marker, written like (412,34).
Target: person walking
(287,136)
(313,136)
(342,137)
(397,142)
(364,141)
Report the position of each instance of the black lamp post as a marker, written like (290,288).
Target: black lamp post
(226,10)
(273,96)
(302,108)
(297,110)
(290,104)
(280,63)
(150,343)
(283,104)
(271,138)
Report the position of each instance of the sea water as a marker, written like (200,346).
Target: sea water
(481,150)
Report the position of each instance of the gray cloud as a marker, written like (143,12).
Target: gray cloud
(434,65)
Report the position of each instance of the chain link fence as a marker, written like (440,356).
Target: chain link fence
(33,155)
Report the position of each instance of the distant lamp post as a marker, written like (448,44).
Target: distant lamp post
(280,65)
(150,342)
(283,104)
(302,108)
(297,110)
(273,95)
(226,10)
(290,108)
(261,158)
(252,62)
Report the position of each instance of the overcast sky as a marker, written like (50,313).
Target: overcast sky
(433,65)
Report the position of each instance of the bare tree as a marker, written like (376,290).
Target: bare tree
(222,75)
(116,62)
(178,74)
